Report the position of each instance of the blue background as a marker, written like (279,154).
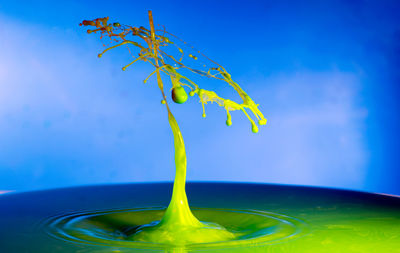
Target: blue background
(325,73)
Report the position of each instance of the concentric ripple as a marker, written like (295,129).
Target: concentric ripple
(114,227)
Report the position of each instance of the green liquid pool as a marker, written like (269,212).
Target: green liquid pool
(262,218)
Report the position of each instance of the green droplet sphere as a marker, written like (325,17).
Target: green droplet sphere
(179,95)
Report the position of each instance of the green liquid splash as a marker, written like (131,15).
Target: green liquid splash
(178,225)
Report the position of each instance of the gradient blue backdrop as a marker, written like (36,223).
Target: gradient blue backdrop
(325,73)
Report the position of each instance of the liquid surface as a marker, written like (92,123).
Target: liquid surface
(321,220)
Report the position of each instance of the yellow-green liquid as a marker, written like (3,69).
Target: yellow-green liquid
(178,225)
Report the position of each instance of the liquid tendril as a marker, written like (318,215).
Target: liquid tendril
(153,50)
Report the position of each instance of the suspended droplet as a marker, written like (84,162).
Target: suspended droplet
(179,95)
